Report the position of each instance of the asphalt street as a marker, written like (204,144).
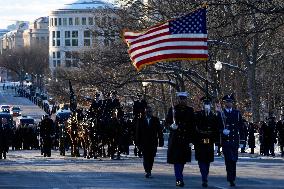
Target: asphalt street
(28,169)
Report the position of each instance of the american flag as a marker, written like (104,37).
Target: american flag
(184,38)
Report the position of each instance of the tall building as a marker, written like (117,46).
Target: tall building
(75,28)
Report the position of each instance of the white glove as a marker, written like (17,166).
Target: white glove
(174,126)
(226,132)
(241,145)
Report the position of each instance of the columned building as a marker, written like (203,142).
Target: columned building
(76,28)
(37,34)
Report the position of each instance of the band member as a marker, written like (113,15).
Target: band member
(232,136)
(206,134)
(149,135)
(180,120)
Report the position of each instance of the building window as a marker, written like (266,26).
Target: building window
(58,34)
(87,38)
(67,38)
(54,63)
(53,34)
(77,21)
(87,42)
(74,42)
(58,55)
(59,22)
(70,21)
(51,21)
(74,34)
(58,63)
(55,21)
(64,21)
(87,33)
(53,43)
(84,21)
(91,21)
(71,59)
(58,42)
(53,55)
(67,34)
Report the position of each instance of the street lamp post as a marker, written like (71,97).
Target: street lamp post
(218,68)
(145,85)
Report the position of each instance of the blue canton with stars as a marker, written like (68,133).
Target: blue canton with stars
(194,23)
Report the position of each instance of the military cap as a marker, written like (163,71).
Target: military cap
(182,94)
(229,98)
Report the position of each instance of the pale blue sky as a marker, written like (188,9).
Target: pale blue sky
(26,10)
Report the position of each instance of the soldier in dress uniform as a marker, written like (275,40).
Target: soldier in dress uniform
(232,136)
(149,135)
(180,120)
(280,132)
(206,134)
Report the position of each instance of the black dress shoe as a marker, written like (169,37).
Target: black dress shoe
(204,184)
(148,175)
(180,183)
(232,183)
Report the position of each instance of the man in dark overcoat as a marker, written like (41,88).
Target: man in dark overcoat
(149,135)
(280,132)
(251,137)
(46,132)
(206,134)
(232,136)
(181,127)
(139,107)
(269,136)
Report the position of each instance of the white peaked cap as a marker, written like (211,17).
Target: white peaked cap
(182,94)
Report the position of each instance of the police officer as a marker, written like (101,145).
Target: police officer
(232,136)
(180,120)
(149,136)
(206,134)
(280,131)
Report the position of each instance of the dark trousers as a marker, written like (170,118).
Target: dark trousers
(148,161)
(231,170)
(178,171)
(204,170)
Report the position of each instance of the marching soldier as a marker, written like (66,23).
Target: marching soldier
(206,134)
(180,119)
(149,135)
(232,136)
(280,131)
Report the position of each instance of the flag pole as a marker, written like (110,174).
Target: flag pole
(172,104)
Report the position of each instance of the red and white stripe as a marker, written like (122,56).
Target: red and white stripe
(157,44)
